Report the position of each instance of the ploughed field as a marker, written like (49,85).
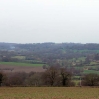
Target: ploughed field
(49,93)
(20,67)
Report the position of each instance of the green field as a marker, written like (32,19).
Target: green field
(90,71)
(20,64)
(19,57)
(49,93)
(81,58)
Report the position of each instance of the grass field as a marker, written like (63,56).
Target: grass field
(49,93)
(90,71)
(19,57)
(19,64)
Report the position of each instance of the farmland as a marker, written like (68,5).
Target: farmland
(49,93)
(20,67)
(79,59)
(20,64)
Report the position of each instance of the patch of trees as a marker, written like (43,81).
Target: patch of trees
(96,57)
(51,77)
(48,51)
(91,79)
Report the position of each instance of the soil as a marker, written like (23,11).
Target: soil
(27,69)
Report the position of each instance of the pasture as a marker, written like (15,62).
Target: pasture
(19,57)
(20,64)
(49,93)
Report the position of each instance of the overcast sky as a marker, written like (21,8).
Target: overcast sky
(37,21)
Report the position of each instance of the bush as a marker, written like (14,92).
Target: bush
(91,79)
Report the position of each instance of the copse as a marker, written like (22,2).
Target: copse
(91,79)
(54,76)
(15,79)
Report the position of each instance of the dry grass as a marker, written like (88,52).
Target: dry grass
(49,93)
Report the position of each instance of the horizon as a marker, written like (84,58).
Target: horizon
(49,43)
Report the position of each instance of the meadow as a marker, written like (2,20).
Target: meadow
(49,93)
(20,64)
(20,57)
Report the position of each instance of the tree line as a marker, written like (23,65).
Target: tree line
(51,77)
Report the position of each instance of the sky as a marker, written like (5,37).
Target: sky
(39,21)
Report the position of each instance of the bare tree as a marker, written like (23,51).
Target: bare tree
(91,79)
(15,79)
(50,75)
(34,79)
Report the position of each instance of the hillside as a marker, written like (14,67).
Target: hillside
(76,57)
